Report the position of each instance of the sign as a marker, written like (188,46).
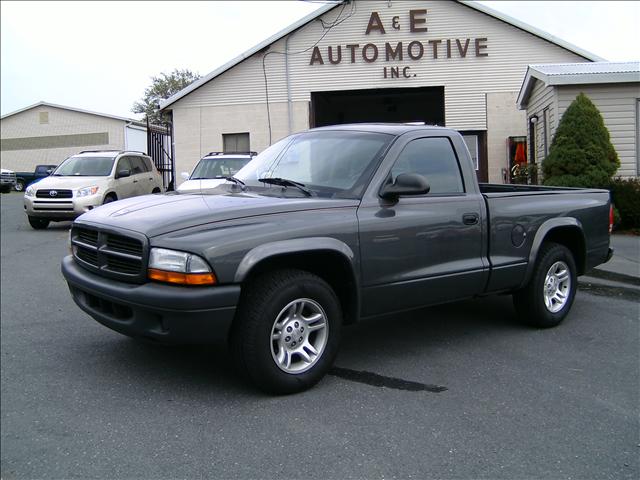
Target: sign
(415,50)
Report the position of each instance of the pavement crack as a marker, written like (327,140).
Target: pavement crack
(370,378)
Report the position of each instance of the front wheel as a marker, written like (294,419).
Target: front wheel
(546,300)
(38,223)
(287,331)
(19,186)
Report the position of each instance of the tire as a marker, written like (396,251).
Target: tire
(19,186)
(109,198)
(264,334)
(156,190)
(38,223)
(546,300)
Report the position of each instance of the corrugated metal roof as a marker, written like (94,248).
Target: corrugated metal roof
(587,68)
(577,74)
(321,11)
(63,107)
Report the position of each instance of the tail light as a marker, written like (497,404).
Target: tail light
(610,219)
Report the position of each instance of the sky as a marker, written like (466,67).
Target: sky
(100,56)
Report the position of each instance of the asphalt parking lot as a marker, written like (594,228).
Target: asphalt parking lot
(499,400)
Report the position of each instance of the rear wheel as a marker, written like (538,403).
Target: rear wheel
(547,298)
(19,185)
(287,331)
(38,223)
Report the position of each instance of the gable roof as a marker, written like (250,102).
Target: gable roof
(79,110)
(321,11)
(577,74)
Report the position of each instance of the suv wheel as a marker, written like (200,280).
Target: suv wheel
(38,223)
(548,296)
(19,185)
(109,198)
(287,331)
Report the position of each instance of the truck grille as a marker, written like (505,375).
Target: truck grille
(110,254)
(54,194)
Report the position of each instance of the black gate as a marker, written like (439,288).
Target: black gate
(160,149)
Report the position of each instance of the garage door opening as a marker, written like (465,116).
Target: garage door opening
(399,105)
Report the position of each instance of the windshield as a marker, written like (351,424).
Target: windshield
(329,163)
(218,167)
(85,167)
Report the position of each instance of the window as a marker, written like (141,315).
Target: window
(43,117)
(433,158)
(235,142)
(124,164)
(147,163)
(472,145)
(137,165)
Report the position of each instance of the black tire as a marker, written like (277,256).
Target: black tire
(109,198)
(19,186)
(263,301)
(38,223)
(156,190)
(530,301)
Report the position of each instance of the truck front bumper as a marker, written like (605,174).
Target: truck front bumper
(164,313)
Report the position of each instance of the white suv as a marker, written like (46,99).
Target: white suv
(212,169)
(88,180)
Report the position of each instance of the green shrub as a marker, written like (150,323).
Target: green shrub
(626,197)
(581,154)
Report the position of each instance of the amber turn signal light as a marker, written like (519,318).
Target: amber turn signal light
(178,278)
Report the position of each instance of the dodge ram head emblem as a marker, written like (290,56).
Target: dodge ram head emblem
(53,193)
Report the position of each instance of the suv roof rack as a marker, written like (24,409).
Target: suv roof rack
(113,150)
(213,154)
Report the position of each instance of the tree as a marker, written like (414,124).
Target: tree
(161,88)
(581,154)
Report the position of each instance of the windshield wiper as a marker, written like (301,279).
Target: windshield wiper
(287,183)
(235,180)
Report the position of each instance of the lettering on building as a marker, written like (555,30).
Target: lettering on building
(405,51)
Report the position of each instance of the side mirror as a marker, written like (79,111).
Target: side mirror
(123,173)
(185,175)
(405,184)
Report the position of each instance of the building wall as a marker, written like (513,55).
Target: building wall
(199,131)
(64,127)
(618,105)
(542,98)
(503,121)
(468,80)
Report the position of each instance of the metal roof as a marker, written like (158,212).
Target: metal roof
(63,107)
(321,11)
(577,74)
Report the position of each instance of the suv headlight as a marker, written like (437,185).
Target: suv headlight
(86,191)
(30,191)
(172,266)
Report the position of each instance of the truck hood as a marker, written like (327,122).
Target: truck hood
(155,215)
(69,183)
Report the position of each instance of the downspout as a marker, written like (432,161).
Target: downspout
(286,74)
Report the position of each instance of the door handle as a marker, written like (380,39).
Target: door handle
(470,218)
(135,181)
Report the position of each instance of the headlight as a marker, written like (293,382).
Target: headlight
(86,191)
(183,268)
(30,191)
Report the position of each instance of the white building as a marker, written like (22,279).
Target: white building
(613,87)
(454,63)
(46,133)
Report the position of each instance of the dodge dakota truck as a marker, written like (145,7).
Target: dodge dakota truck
(325,228)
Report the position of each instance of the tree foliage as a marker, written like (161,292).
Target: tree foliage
(161,88)
(581,154)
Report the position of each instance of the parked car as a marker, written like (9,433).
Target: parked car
(212,169)
(88,180)
(24,179)
(7,180)
(332,226)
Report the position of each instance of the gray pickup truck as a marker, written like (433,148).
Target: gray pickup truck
(325,228)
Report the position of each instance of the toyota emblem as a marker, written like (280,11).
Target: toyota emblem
(53,193)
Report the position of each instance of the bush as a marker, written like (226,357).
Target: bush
(581,154)
(626,197)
